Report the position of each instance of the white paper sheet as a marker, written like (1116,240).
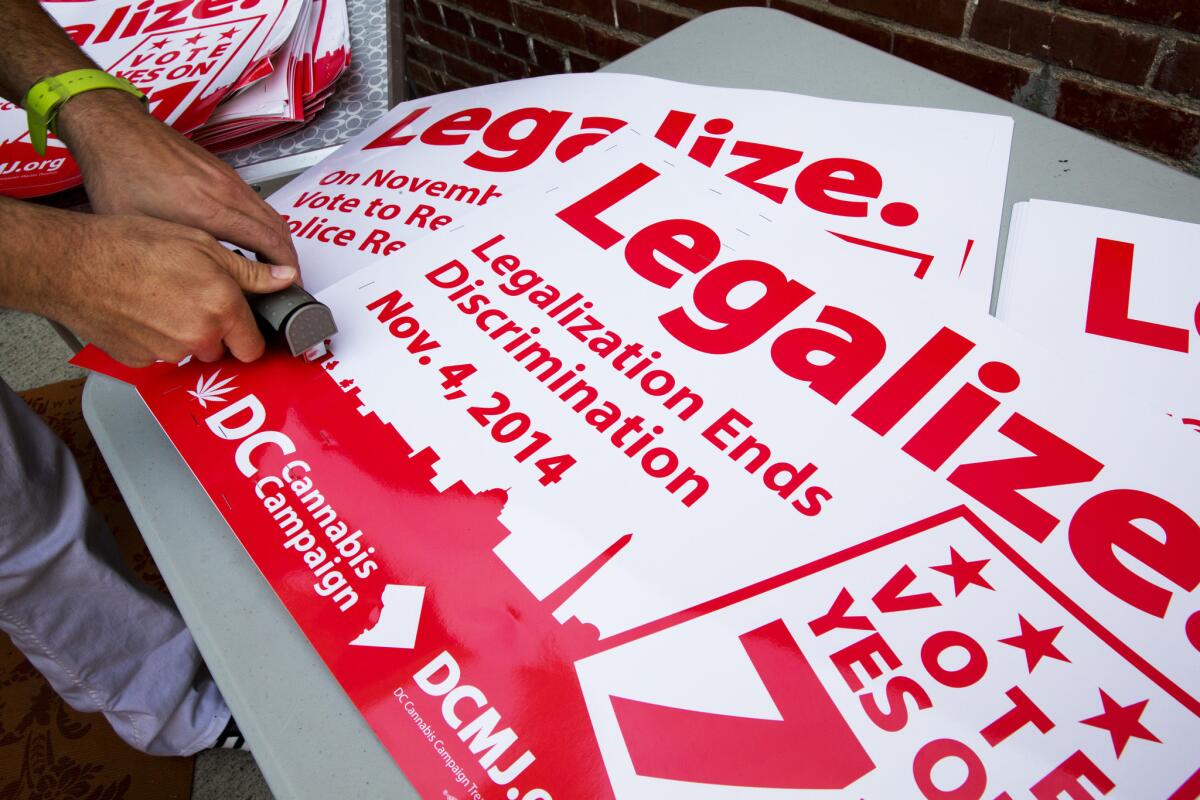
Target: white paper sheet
(430,161)
(1033,454)
(1117,292)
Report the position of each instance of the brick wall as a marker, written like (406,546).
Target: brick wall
(1128,70)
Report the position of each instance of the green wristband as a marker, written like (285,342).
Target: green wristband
(44,99)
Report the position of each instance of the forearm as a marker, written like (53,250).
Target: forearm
(29,275)
(33,47)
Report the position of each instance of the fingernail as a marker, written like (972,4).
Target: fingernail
(283,273)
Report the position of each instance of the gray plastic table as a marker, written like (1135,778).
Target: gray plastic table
(307,737)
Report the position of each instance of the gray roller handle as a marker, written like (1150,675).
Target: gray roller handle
(296,315)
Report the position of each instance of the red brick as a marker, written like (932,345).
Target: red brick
(548,58)
(704,6)
(496,9)
(457,21)
(485,32)
(431,80)
(608,45)
(441,38)
(993,76)
(1180,70)
(1125,117)
(599,10)
(943,16)
(497,61)
(468,73)
(861,30)
(423,54)
(1092,46)
(429,11)
(512,42)
(1181,14)
(550,24)
(424,77)
(582,63)
(422,89)
(647,19)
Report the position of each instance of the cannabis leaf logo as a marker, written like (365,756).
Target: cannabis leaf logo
(210,390)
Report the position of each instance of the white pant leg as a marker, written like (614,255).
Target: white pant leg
(104,641)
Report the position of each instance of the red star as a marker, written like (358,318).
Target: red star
(160,44)
(1037,644)
(229,33)
(194,39)
(1122,722)
(964,573)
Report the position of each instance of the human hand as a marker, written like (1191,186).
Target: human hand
(134,164)
(144,289)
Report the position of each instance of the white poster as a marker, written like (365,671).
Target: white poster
(1117,292)
(184,55)
(720,400)
(639,491)
(918,190)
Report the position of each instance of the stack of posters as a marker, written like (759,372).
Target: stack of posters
(189,57)
(302,78)
(668,450)
(1120,292)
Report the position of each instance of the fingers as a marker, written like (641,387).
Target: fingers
(255,227)
(209,351)
(244,339)
(253,276)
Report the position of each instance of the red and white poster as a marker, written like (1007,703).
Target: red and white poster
(303,74)
(635,490)
(1118,291)
(924,200)
(186,55)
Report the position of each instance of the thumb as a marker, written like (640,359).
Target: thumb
(256,277)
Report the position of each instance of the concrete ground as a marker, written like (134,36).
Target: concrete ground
(31,355)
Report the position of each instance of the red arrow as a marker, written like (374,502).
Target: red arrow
(811,747)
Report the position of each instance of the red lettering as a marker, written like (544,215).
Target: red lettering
(663,238)
(1023,712)
(740,326)
(391,137)
(852,357)
(1108,302)
(1065,778)
(896,715)
(456,128)
(817,180)
(722,426)
(961,416)
(170,15)
(574,145)
(207,9)
(674,126)
(584,214)
(1105,524)
(767,160)
(936,751)
(966,675)
(863,653)
(889,599)
(913,380)
(836,618)
(996,483)
(518,152)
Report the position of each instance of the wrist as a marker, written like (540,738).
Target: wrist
(95,116)
(34,277)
